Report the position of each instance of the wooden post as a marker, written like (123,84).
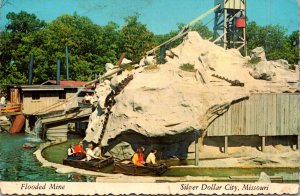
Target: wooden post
(298,143)
(263,143)
(196,149)
(226,144)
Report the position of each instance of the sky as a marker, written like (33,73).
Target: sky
(160,16)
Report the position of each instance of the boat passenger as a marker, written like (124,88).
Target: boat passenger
(141,155)
(151,159)
(71,151)
(135,158)
(90,154)
(97,150)
(79,152)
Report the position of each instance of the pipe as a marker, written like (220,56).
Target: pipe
(58,72)
(30,69)
(67,62)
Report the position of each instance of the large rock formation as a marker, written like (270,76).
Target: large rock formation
(166,107)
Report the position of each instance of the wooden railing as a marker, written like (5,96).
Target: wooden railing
(11,108)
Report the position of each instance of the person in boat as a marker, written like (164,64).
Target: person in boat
(151,158)
(97,150)
(71,151)
(90,154)
(79,152)
(135,158)
(141,155)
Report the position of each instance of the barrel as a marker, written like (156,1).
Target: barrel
(18,124)
(240,22)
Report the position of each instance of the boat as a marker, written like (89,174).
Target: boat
(128,168)
(29,146)
(93,164)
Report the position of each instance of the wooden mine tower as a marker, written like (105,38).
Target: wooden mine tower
(230,24)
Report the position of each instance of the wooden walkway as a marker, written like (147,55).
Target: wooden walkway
(11,109)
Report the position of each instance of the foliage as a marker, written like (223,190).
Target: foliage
(152,67)
(188,67)
(254,60)
(91,46)
(136,37)
(274,40)
(127,67)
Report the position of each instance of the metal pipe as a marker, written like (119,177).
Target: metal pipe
(30,69)
(67,62)
(58,72)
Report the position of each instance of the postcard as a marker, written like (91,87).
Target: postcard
(149,97)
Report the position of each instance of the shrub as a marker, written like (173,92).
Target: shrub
(188,67)
(128,67)
(254,60)
(152,67)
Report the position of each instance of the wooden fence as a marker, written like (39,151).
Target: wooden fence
(261,114)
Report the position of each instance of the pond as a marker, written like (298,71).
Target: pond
(290,175)
(19,164)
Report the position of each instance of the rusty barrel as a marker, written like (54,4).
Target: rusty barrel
(17,124)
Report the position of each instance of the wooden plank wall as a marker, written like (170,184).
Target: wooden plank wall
(46,100)
(261,114)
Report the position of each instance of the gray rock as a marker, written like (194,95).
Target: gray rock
(264,177)
(109,66)
(264,70)
(258,52)
(122,150)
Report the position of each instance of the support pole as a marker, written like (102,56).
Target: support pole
(30,68)
(226,144)
(263,143)
(67,62)
(225,29)
(298,143)
(196,149)
(58,72)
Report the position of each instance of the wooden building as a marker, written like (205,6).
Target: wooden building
(262,115)
(47,97)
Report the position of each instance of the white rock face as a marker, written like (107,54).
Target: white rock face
(109,66)
(126,61)
(258,52)
(263,70)
(165,108)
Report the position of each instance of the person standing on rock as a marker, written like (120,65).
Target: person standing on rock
(151,158)
(2,100)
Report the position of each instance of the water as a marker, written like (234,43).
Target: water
(18,164)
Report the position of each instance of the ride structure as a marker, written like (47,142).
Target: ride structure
(230,24)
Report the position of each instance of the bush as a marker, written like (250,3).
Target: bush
(254,60)
(128,67)
(188,67)
(152,67)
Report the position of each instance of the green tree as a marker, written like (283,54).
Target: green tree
(274,40)
(19,26)
(23,22)
(136,38)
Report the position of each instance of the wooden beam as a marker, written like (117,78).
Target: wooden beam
(298,143)
(263,143)
(196,150)
(226,144)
